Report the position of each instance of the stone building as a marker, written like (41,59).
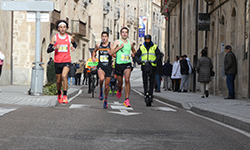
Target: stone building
(18,39)
(229,25)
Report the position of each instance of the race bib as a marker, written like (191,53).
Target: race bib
(63,48)
(104,58)
(125,57)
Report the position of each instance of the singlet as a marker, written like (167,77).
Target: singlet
(104,58)
(62,55)
(123,55)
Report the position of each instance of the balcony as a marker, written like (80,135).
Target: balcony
(117,14)
(55,16)
(106,8)
(171,4)
(79,28)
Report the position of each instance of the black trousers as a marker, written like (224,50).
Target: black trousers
(151,82)
(97,78)
(176,84)
(78,79)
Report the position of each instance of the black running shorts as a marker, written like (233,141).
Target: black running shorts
(107,70)
(59,67)
(119,68)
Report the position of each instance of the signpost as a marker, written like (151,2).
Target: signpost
(37,7)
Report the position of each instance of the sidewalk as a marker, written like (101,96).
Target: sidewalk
(232,112)
(18,95)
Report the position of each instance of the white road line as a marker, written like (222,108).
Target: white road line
(155,99)
(80,91)
(222,124)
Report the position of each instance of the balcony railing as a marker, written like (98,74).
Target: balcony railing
(79,28)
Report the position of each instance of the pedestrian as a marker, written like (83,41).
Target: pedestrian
(176,74)
(158,73)
(91,67)
(85,76)
(79,72)
(104,66)
(123,48)
(230,66)
(62,43)
(184,74)
(204,68)
(167,71)
(72,73)
(2,57)
(148,52)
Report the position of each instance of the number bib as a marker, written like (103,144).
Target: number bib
(125,57)
(104,58)
(63,48)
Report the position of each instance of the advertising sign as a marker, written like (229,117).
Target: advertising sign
(204,22)
(142,26)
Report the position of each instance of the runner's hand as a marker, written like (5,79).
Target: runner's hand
(122,45)
(72,48)
(93,59)
(58,46)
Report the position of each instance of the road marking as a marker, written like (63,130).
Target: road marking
(136,91)
(5,110)
(123,109)
(80,91)
(79,106)
(222,124)
(163,109)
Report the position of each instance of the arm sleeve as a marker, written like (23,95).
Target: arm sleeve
(74,45)
(50,48)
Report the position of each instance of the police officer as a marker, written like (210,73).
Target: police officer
(149,53)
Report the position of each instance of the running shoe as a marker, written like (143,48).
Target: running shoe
(119,93)
(65,99)
(59,98)
(126,103)
(101,95)
(105,104)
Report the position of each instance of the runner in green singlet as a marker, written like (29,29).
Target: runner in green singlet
(123,48)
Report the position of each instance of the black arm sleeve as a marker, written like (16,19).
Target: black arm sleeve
(74,44)
(137,56)
(50,48)
(158,54)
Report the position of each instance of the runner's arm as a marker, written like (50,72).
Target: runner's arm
(51,47)
(137,56)
(133,49)
(116,47)
(94,52)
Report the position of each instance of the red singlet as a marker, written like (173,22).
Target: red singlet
(62,55)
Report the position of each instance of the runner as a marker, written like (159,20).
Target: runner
(123,48)
(104,66)
(61,44)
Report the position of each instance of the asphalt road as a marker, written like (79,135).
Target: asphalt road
(83,124)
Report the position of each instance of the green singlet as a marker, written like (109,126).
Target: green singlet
(123,55)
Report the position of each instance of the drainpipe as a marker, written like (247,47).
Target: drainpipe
(196,45)
(169,36)
(11,49)
(180,27)
(206,31)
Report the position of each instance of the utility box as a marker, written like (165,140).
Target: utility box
(37,81)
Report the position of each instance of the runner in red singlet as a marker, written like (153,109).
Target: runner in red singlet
(61,44)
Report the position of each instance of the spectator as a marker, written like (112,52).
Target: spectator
(184,74)
(79,72)
(72,73)
(167,71)
(85,76)
(230,66)
(1,61)
(176,74)
(204,68)
(158,73)
(50,61)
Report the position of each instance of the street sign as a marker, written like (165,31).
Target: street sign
(31,17)
(41,6)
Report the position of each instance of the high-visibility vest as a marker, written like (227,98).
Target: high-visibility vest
(90,64)
(148,55)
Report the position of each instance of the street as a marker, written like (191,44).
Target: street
(84,124)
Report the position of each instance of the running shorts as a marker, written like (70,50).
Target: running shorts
(119,68)
(59,67)
(107,70)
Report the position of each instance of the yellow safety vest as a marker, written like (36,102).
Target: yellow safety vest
(148,55)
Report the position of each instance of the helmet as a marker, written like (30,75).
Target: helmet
(148,36)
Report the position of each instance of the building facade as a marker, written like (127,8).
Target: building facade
(229,25)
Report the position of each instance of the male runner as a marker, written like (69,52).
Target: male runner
(61,44)
(123,48)
(104,66)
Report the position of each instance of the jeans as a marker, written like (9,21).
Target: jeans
(230,85)
(158,81)
(73,80)
(167,82)
(204,87)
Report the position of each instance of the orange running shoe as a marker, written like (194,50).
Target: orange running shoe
(59,98)
(65,99)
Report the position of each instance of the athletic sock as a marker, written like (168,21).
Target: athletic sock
(126,98)
(106,97)
(64,92)
(59,92)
